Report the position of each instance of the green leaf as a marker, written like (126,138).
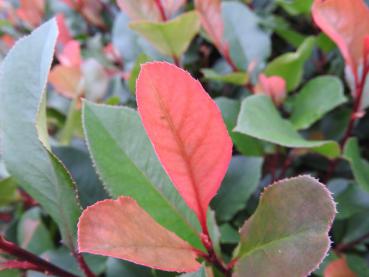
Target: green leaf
(127,164)
(23,80)
(90,188)
(317,97)
(260,119)
(246,145)
(288,231)
(248,42)
(359,166)
(229,234)
(296,7)
(142,58)
(32,233)
(290,66)
(358,265)
(172,37)
(117,267)
(8,191)
(200,273)
(239,184)
(234,78)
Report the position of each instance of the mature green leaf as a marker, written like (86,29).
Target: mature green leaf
(317,97)
(200,273)
(359,166)
(351,199)
(290,66)
(23,79)
(117,267)
(127,164)
(248,42)
(247,145)
(358,265)
(172,37)
(235,78)
(8,191)
(240,182)
(288,231)
(229,234)
(356,227)
(296,7)
(32,233)
(260,119)
(90,188)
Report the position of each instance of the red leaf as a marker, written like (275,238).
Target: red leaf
(346,22)
(66,80)
(71,54)
(140,9)
(338,268)
(172,6)
(187,131)
(122,229)
(64,34)
(31,11)
(273,86)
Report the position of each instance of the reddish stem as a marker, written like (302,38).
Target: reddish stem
(83,265)
(347,246)
(15,264)
(29,257)
(176,61)
(161,10)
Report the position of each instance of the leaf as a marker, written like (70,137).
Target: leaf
(212,21)
(170,38)
(247,41)
(115,267)
(32,233)
(234,78)
(317,97)
(288,231)
(260,119)
(140,9)
(358,265)
(240,182)
(188,135)
(296,7)
(71,54)
(24,73)
(127,165)
(8,191)
(290,66)
(135,71)
(359,166)
(246,145)
(338,268)
(200,273)
(229,234)
(90,188)
(66,80)
(129,233)
(349,34)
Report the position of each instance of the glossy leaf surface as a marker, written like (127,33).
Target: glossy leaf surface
(260,119)
(42,175)
(127,165)
(187,131)
(288,231)
(129,233)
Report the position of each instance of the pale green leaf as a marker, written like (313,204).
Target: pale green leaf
(290,66)
(317,97)
(234,78)
(172,37)
(23,80)
(260,119)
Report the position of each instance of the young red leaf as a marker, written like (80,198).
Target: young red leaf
(338,268)
(273,86)
(211,19)
(122,229)
(346,22)
(31,11)
(140,9)
(187,131)
(172,6)
(64,34)
(66,80)
(71,54)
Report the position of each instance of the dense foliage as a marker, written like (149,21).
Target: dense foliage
(116,161)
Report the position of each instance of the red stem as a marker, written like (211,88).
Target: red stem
(29,257)
(176,61)
(83,265)
(161,10)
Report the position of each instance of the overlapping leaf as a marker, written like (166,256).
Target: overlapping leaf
(122,229)
(288,233)
(23,129)
(187,131)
